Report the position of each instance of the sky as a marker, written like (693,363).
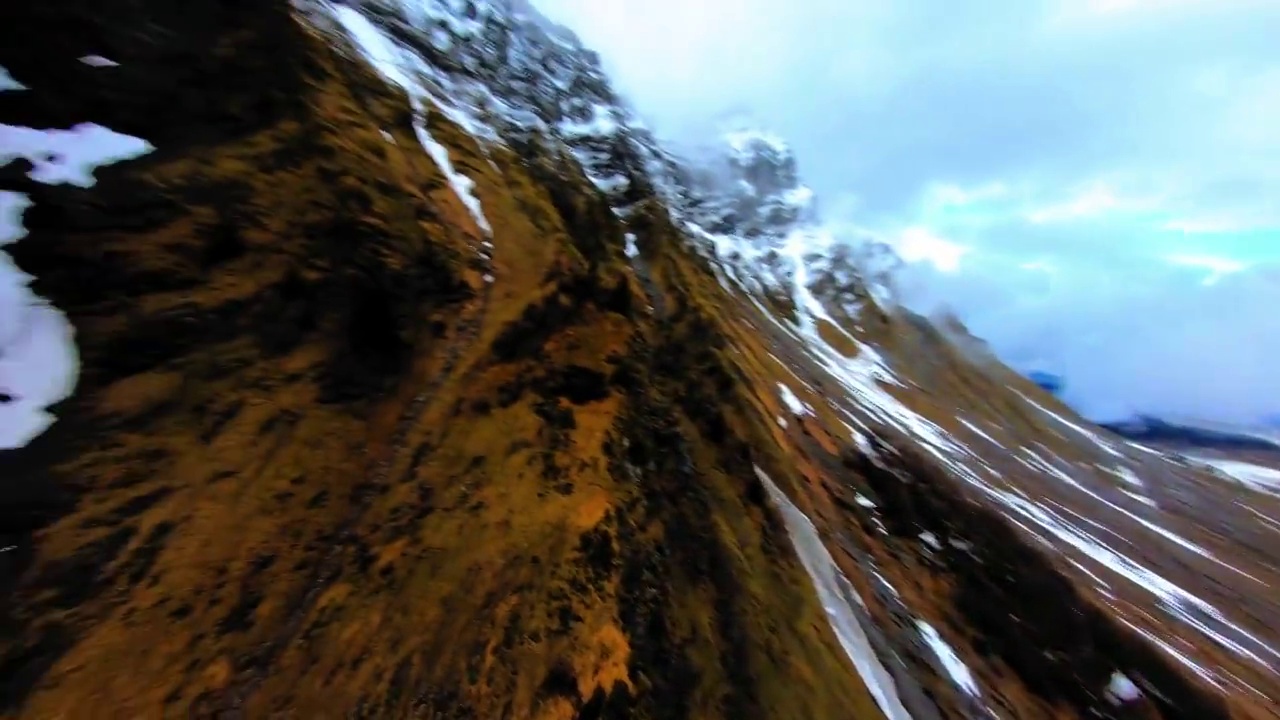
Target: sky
(1092,185)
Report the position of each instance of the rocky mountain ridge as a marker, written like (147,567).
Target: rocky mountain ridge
(418,380)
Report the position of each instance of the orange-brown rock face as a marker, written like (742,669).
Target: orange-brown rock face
(390,411)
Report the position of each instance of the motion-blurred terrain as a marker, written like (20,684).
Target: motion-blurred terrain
(417,379)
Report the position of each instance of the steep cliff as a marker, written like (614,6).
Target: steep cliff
(417,380)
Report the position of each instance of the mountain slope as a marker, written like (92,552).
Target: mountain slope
(416,382)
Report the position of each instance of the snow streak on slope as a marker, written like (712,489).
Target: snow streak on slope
(792,402)
(835,592)
(463,186)
(1084,432)
(1257,477)
(404,68)
(1179,603)
(955,667)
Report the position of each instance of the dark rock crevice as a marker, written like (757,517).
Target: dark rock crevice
(173,60)
(652,574)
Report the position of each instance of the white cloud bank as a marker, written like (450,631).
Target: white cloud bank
(1168,339)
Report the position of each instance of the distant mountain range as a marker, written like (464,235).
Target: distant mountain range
(1047,381)
(1181,431)
(1197,433)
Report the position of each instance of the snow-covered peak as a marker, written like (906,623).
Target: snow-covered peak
(749,183)
(506,75)
(756,149)
(751,142)
(768,232)
(764,166)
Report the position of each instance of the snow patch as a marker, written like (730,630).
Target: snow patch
(1039,462)
(862,375)
(68,156)
(12,205)
(1266,519)
(39,363)
(1143,448)
(1122,690)
(602,123)
(864,445)
(931,540)
(98,61)
(1177,602)
(376,48)
(954,666)
(746,142)
(1093,576)
(1140,498)
(1042,464)
(8,83)
(631,250)
(792,402)
(976,431)
(1257,477)
(463,186)
(885,581)
(1175,653)
(388,137)
(834,591)
(865,375)
(1128,476)
(610,184)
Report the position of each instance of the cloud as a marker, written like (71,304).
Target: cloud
(918,244)
(949,195)
(1095,200)
(1156,339)
(1218,267)
(1095,138)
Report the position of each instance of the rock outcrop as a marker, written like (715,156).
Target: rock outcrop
(418,380)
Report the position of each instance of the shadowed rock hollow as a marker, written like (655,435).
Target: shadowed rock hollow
(416,381)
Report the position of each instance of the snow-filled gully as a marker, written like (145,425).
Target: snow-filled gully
(834,592)
(405,69)
(838,600)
